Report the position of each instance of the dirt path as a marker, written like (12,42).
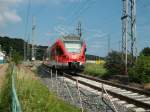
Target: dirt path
(3,69)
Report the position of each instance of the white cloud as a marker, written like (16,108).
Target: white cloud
(8,13)
(12,16)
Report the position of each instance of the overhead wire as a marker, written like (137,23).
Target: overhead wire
(82,9)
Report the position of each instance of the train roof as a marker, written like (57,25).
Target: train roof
(71,38)
(68,38)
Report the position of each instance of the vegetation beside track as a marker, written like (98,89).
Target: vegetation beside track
(5,92)
(35,97)
(95,69)
(138,71)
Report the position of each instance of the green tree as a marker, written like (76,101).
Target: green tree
(146,51)
(18,45)
(16,57)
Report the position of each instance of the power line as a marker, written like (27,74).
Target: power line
(84,8)
(78,9)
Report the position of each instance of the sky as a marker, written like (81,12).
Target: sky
(101,20)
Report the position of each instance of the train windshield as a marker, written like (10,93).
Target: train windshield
(73,47)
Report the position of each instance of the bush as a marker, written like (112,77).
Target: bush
(140,72)
(16,57)
(145,51)
(114,63)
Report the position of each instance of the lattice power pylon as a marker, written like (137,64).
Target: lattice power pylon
(133,30)
(124,19)
(126,33)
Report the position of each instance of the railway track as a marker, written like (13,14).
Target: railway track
(133,98)
(137,97)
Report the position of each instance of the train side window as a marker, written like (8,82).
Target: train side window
(52,53)
(84,51)
(59,51)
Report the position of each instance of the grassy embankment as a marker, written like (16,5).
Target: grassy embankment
(33,95)
(95,69)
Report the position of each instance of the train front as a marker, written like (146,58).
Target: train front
(75,53)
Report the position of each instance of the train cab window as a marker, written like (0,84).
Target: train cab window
(59,51)
(73,47)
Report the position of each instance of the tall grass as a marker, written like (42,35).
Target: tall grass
(35,97)
(5,92)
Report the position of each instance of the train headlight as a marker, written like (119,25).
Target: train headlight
(74,56)
(80,63)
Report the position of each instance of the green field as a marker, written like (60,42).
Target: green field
(95,69)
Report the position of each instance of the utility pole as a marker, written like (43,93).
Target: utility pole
(28,48)
(119,45)
(24,45)
(133,30)
(79,29)
(124,19)
(0,48)
(33,37)
(109,44)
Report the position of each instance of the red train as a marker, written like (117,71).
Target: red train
(67,52)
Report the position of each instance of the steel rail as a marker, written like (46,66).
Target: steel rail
(133,89)
(137,90)
(114,94)
(117,95)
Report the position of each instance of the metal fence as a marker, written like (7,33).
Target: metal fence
(15,102)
